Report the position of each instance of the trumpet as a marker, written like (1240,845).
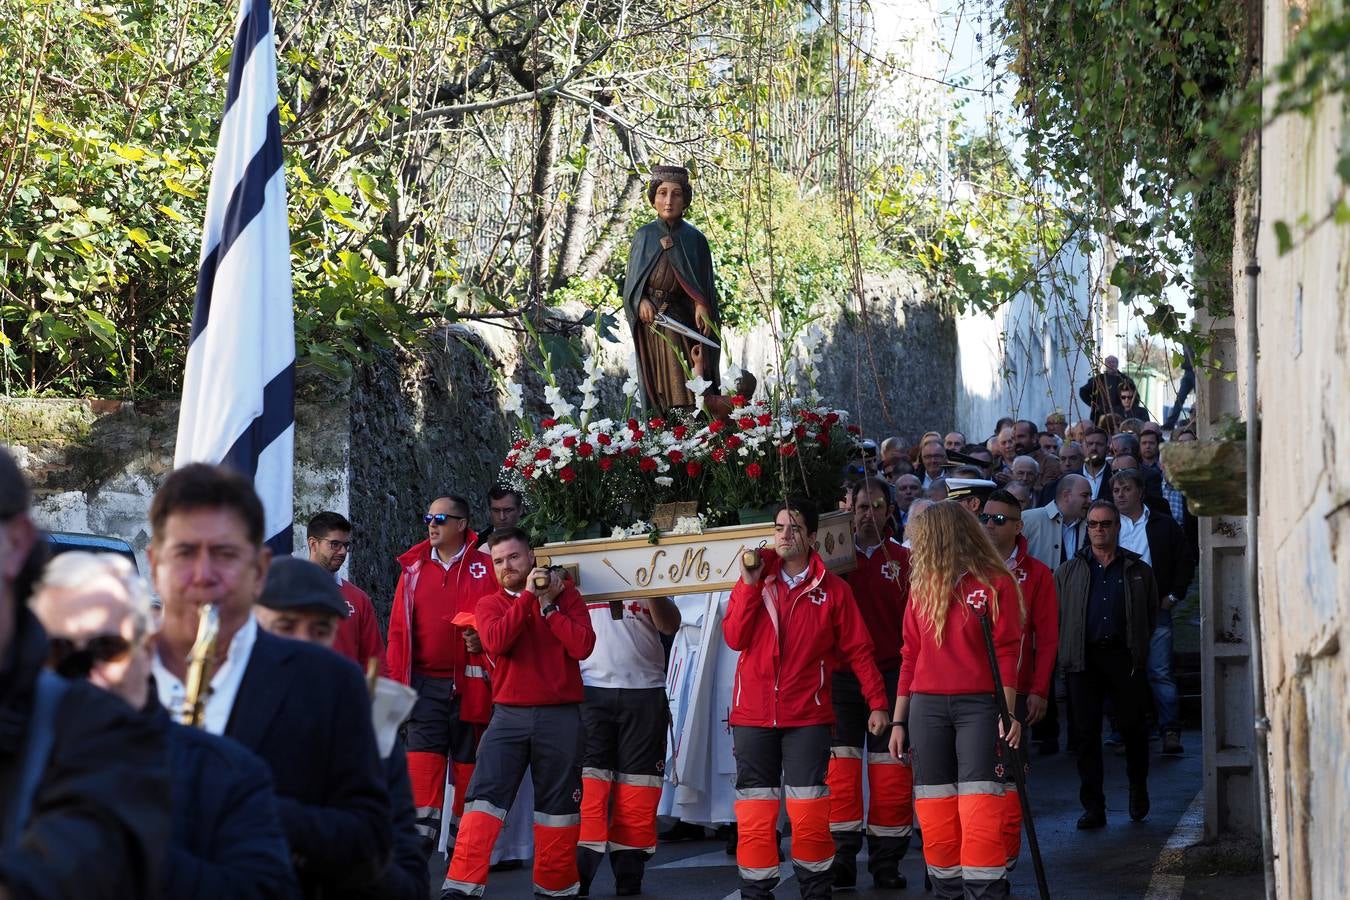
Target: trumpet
(201,663)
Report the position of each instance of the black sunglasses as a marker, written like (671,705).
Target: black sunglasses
(1103,524)
(997,518)
(439,518)
(70,661)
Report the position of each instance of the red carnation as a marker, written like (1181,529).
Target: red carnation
(528,470)
(746,422)
(510,461)
(716,426)
(719,455)
(657,423)
(854,429)
(831,418)
(518,445)
(606,463)
(737,401)
(753,470)
(584,449)
(647,464)
(547,423)
(632,424)
(567,473)
(633,451)
(603,439)
(787,450)
(764,419)
(680,432)
(800,431)
(637,435)
(823,439)
(569,441)
(675,456)
(734,441)
(693,469)
(542,454)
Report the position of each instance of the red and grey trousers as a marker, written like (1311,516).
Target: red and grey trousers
(435,735)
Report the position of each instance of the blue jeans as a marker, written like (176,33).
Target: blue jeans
(1160,672)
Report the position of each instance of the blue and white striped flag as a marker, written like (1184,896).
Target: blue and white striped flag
(239,385)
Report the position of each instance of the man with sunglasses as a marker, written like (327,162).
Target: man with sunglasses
(880,585)
(227,840)
(442,576)
(329,539)
(1108,602)
(1002,521)
(84,794)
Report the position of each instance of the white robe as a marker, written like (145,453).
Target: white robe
(516,839)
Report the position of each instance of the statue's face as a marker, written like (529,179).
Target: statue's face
(670,201)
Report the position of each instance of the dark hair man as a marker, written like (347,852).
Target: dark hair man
(537,637)
(980,453)
(304,711)
(329,539)
(1150,438)
(1108,601)
(301,602)
(442,577)
(791,619)
(1048,443)
(880,586)
(227,840)
(1026,444)
(505,505)
(1095,469)
(970,492)
(1102,391)
(84,794)
(1071,457)
(1002,521)
(1162,544)
(954,441)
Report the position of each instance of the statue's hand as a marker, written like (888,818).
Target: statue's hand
(646,312)
(703,319)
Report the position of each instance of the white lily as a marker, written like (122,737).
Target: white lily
(515,399)
(697,385)
(631,386)
(733,373)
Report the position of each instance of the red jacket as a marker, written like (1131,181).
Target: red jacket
(788,640)
(358,637)
(468,579)
(961,664)
(535,659)
(880,584)
(1041,635)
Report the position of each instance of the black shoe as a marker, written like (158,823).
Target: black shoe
(732,838)
(843,877)
(1047,748)
(1172,744)
(681,831)
(1093,818)
(1138,803)
(583,890)
(628,887)
(507,865)
(889,881)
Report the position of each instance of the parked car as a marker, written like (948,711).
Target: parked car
(65,541)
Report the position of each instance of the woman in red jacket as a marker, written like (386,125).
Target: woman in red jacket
(789,616)
(945,698)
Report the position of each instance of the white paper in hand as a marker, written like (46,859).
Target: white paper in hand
(390,706)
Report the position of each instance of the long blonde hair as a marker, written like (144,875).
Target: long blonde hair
(946,542)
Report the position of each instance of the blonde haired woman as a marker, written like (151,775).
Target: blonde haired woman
(945,703)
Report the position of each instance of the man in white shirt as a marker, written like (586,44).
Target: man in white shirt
(1095,469)
(624,714)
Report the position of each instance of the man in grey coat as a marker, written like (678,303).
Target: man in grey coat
(1054,532)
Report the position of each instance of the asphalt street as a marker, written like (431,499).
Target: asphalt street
(1115,862)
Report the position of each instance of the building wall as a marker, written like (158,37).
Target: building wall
(1304,528)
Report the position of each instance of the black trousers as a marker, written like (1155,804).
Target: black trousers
(1108,673)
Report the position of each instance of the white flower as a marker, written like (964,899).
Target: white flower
(601,425)
(733,373)
(664,481)
(589,402)
(515,399)
(812,339)
(697,385)
(591,366)
(631,386)
(617,534)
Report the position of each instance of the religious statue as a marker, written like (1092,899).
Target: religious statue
(670,299)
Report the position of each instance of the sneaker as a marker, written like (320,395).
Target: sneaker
(1172,744)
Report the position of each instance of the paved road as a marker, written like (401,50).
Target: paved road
(1116,862)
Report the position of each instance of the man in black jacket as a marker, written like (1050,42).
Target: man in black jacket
(1161,543)
(1102,391)
(303,710)
(84,793)
(1107,602)
(226,841)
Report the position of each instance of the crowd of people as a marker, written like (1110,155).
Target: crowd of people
(865,707)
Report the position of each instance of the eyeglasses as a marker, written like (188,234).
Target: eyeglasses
(337,545)
(1100,524)
(997,518)
(440,518)
(71,661)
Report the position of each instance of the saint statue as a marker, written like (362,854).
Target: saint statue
(669,297)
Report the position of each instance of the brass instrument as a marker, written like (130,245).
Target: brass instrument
(201,664)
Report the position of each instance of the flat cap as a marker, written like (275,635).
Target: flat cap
(294,583)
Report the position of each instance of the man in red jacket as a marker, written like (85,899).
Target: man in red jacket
(791,618)
(880,585)
(1002,520)
(536,637)
(329,537)
(442,577)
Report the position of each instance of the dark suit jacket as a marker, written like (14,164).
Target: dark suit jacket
(306,712)
(1173,566)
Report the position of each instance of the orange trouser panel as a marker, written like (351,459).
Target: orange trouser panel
(940,819)
(595,792)
(634,823)
(1012,823)
(812,846)
(982,818)
(757,836)
(555,853)
(890,788)
(426,771)
(844,778)
(473,849)
(463,773)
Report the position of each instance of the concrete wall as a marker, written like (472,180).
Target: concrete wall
(1304,528)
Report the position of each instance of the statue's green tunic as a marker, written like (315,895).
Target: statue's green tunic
(675,280)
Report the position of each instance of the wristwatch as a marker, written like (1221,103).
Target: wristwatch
(549,610)
(900,723)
